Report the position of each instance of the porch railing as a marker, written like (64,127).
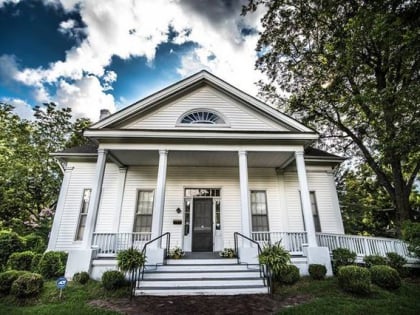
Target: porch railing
(291,241)
(109,244)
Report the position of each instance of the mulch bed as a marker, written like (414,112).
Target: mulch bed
(236,304)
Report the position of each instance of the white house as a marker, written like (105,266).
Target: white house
(201,160)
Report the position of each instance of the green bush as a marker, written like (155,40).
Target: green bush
(10,243)
(27,285)
(7,278)
(374,260)
(275,257)
(130,259)
(289,274)
(21,261)
(354,279)
(411,233)
(52,264)
(396,261)
(35,263)
(386,277)
(35,243)
(81,277)
(317,272)
(342,257)
(113,279)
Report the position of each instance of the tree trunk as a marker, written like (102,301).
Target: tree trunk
(402,205)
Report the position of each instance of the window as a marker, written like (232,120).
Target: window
(143,220)
(202,117)
(259,211)
(83,214)
(315,214)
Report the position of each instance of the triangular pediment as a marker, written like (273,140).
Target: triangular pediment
(202,93)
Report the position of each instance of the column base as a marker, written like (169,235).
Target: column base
(248,255)
(321,256)
(155,256)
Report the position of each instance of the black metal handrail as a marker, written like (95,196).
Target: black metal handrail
(264,269)
(140,271)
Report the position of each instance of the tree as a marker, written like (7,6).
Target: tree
(351,69)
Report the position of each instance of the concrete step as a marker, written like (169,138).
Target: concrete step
(224,290)
(201,267)
(201,274)
(220,261)
(200,282)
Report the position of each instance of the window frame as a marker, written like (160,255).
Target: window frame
(77,236)
(136,214)
(223,124)
(264,215)
(315,211)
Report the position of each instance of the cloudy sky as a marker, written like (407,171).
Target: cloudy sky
(90,54)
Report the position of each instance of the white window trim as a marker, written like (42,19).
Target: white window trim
(76,240)
(137,204)
(266,208)
(210,126)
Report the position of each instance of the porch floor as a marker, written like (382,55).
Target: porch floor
(202,255)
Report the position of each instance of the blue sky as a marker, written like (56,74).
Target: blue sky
(91,54)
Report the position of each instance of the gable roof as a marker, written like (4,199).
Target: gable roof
(193,82)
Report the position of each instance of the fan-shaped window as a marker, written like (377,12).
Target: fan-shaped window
(202,117)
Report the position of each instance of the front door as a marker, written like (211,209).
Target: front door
(202,238)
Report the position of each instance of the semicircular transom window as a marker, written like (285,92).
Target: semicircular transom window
(202,117)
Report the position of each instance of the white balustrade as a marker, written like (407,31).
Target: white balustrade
(291,241)
(109,244)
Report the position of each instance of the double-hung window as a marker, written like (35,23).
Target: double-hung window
(83,214)
(144,211)
(315,213)
(259,211)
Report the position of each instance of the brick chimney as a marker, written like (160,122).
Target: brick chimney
(104,113)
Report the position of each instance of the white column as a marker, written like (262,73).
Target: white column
(120,197)
(95,198)
(305,198)
(243,182)
(59,209)
(159,198)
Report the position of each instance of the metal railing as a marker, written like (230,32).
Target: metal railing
(265,271)
(109,244)
(291,241)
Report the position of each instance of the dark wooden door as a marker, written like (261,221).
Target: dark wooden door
(202,238)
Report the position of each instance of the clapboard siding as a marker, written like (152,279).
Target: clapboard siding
(320,183)
(238,116)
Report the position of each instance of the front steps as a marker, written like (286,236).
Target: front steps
(201,277)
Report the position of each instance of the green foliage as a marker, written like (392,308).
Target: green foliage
(27,285)
(354,279)
(317,272)
(35,263)
(342,257)
(351,68)
(81,277)
(52,264)
(21,260)
(374,260)
(289,275)
(411,234)
(275,257)
(113,279)
(7,278)
(396,261)
(130,259)
(10,243)
(35,243)
(386,277)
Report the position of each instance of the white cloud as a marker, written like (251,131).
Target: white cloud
(21,107)
(3,2)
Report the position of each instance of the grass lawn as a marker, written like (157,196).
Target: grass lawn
(325,297)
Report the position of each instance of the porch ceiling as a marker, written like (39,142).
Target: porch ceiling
(201,158)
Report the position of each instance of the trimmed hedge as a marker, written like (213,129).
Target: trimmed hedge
(52,264)
(386,277)
(342,257)
(289,274)
(374,260)
(34,243)
(354,279)
(317,272)
(21,261)
(27,285)
(396,261)
(7,278)
(113,279)
(10,243)
(81,277)
(35,263)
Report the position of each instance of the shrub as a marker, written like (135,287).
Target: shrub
(411,234)
(21,261)
(27,285)
(7,278)
(52,264)
(396,261)
(113,279)
(35,243)
(374,260)
(342,257)
(275,257)
(354,279)
(35,263)
(10,243)
(289,275)
(81,277)
(317,272)
(386,277)
(130,259)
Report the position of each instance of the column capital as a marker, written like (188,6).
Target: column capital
(123,169)
(163,152)
(243,152)
(299,153)
(102,151)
